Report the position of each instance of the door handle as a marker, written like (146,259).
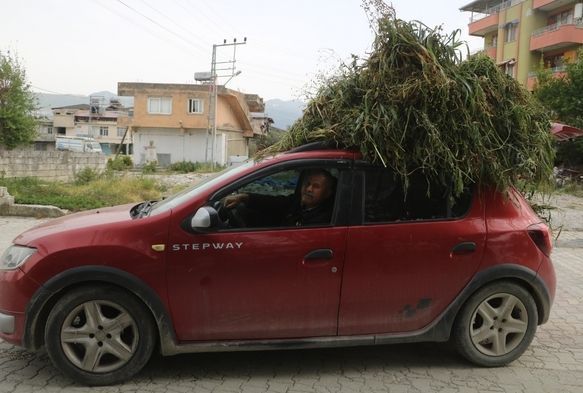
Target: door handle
(316,256)
(463,248)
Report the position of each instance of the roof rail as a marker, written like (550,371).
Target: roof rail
(318,145)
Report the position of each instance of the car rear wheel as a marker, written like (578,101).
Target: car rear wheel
(496,325)
(99,335)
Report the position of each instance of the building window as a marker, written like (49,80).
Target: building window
(121,131)
(511,31)
(563,18)
(103,131)
(509,69)
(195,105)
(160,105)
(49,129)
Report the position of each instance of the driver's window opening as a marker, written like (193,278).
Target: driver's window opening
(290,198)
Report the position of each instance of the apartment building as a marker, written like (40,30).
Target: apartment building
(170,123)
(104,123)
(523,35)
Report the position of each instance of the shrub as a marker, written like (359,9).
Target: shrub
(86,175)
(120,163)
(150,167)
(184,166)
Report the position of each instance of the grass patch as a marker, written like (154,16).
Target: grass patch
(89,191)
(575,189)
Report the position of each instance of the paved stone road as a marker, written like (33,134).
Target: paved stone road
(553,363)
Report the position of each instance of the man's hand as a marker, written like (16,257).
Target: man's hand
(233,200)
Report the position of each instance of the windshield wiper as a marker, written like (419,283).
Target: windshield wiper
(145,208)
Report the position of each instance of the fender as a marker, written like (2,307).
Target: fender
(41,302)
(440,330)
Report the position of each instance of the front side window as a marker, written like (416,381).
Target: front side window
(121,131)
(195,105)
(160,105)
(386,200)
(297,197)
(103,131)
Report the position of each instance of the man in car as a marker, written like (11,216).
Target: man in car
(313,205)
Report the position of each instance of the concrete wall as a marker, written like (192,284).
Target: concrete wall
(50,165)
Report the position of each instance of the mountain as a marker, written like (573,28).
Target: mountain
(284,113)
(58,100)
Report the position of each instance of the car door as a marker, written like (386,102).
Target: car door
(409,255)
(259,282)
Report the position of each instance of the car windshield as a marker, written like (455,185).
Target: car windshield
(186,194)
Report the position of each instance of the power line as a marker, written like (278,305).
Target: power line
(188,31)
(198,46)
(151,32)
(50,91)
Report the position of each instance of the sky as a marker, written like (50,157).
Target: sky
(87,46)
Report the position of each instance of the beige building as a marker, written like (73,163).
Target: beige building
(170,123)
(99,122)
(523,35)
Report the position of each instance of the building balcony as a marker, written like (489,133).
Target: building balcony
(556,36)
(558,72)
(550,5)
(492,52)
(485,25)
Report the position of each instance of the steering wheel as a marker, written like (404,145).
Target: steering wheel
(231,217)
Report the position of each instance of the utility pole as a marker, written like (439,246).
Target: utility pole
(228,70)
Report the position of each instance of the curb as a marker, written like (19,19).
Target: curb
(9,208)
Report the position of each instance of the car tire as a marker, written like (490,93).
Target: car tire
(496,325)
(99,335)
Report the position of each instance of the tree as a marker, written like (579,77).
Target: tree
(17,104)
(564,95)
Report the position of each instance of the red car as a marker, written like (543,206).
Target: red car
(241,261)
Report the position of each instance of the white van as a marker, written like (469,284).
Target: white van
(78,144)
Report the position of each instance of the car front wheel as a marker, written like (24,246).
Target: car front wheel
(496,325)
(99,335)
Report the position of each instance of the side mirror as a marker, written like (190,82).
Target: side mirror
(205,218)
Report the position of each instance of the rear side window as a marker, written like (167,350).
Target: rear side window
(385,199)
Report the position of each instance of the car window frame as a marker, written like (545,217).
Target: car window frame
(357,217)
(342,199)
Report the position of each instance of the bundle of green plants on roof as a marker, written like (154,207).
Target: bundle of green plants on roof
(414,105)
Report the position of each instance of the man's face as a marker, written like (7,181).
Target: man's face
(315,190)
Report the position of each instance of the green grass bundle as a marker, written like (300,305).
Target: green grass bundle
(414,105)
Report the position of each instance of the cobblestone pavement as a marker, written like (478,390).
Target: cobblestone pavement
(553,363)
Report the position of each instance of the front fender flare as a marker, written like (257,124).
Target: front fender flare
(41,302)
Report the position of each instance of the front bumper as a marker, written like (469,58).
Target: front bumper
(7,324)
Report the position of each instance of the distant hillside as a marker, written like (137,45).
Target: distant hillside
(58,100)
(284,113)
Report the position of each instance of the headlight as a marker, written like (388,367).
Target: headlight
(15,256)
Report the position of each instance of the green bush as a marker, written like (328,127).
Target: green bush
(570,153)
(86,175)
(120,163)
(188,166)
(150,167)
(184,166)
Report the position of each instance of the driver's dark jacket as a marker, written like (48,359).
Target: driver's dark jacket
(287,211)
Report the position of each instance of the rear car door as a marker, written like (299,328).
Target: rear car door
(408,256)
(260,281)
